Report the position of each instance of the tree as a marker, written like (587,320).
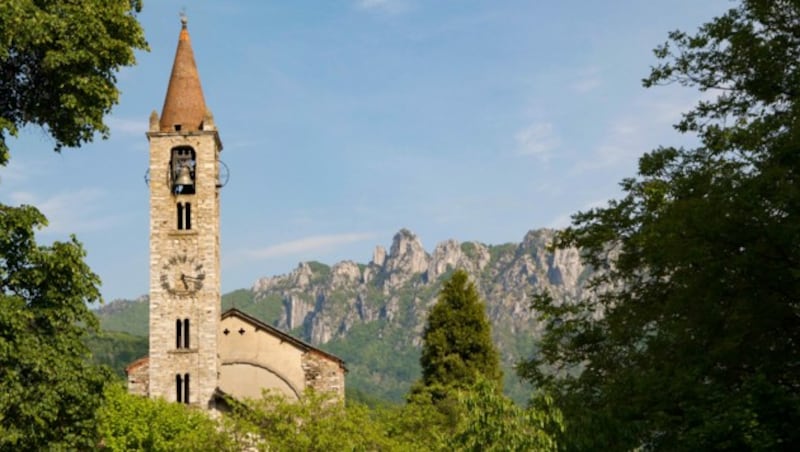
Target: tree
(48,389)
(58,61)
(493,422)
(129,422)
(316,422)
(698,264)
(57,70)
(457,344)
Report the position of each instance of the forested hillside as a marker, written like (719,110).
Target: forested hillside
(373,314)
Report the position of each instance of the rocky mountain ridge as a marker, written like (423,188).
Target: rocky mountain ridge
(373,314)
(394,291)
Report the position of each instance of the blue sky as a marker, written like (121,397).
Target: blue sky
(346,120)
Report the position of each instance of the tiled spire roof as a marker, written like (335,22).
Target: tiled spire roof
(184,104)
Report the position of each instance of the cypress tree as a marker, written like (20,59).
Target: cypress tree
(457,344)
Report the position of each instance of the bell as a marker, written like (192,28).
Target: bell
(184,177)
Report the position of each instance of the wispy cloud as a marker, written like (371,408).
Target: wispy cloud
(386,6)
(69,212)
(624,142)
(628,137)
(16,172)
(122,126)
(587,80)
(315,243)
(537,139)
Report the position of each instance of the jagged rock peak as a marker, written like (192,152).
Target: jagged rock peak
(404,242)
(327,301)
(345,272)
(539,237)
(470,256)
(407,254)
(379,256)
(447,254)
(302,275)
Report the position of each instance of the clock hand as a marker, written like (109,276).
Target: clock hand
(183,280)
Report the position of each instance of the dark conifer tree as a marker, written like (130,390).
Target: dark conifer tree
(457,344)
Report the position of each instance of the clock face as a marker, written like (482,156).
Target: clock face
(182,275)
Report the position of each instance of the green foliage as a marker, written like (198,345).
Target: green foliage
(320,272)
(469,249)
(506,250)
(58,62)
(48,389)
(267,309)
(697,345)
(126,316)
(57,70)
(116,350)
(237,298)
(416,426)
(457,351)
(134,423)
(485,420)
(492,422)
(379,360)
(315,423)
(372,401)
(457,344)
(131,316)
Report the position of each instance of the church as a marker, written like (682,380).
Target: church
(197,353)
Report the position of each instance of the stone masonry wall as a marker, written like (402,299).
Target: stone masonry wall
(198,252)
(139,377)
(323,374)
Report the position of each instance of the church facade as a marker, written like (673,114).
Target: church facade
(196,352)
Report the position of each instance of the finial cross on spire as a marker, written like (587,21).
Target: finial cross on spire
(184,106)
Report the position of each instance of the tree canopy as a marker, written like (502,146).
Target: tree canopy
(493,422)
(129,422)
(457,344)
(58,61)
(699,262)
(49,390)
(316,422)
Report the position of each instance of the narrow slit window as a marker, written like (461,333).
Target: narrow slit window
(184,216)
(180,216)
(179,387)
(185,388)
(185,333)
(178,339)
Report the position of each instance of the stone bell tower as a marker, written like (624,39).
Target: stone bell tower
(184,239)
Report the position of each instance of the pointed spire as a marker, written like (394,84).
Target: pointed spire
(184,104)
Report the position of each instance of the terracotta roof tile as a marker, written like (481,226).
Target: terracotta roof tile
(184,103)
(144,361)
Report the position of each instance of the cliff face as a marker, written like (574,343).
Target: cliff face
(391,295)
(373,314)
